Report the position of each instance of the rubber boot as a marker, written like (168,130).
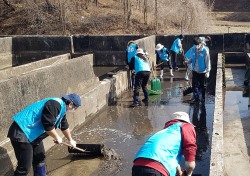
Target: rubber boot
(40,170)
(171,72)
(186,76)
(161,73)
(135,101)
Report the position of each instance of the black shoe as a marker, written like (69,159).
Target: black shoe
(145,100)
(176,69)
(134,105)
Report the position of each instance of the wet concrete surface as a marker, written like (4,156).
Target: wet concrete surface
(125,129)
(236,123)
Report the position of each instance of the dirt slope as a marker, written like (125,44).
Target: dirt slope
(108,18)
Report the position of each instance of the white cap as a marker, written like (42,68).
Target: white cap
(159,47)
(140,50)
(181,116)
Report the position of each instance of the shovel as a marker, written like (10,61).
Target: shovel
(86,149)
(76,148)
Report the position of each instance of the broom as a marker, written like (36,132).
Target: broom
(188,89)
(153,81)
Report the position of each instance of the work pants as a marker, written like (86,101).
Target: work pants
(198,84)
(27,154)
(174,59)
(145,171)
(141,81)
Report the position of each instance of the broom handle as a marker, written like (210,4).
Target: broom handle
(77,148)
(150,66)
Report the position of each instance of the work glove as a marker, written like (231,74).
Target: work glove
(58,140)
(207,74)
(72,142)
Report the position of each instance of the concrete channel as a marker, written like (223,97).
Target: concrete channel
(31,64)
(125,129)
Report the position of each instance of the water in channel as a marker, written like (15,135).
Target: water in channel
(125,129)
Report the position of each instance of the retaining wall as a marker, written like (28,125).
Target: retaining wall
(75,75)
(5,52)
(217,149)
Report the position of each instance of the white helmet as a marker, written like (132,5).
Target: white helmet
(181,116)
(140,50)
(159,47)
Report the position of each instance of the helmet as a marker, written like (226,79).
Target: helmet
(140,51)
(181,116)
(159,47)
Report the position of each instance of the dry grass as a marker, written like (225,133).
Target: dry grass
(109,17)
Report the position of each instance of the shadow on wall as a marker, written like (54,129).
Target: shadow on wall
(5,163)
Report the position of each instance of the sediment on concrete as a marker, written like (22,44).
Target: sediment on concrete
(217,150)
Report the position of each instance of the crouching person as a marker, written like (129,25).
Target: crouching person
(33,124)
(162,153)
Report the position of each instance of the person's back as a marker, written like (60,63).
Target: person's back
(162,153)
(176,49)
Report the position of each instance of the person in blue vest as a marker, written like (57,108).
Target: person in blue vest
(162,153)
(188,54)
(199,59)
(36,122)
(131,52)
(163,57)
(176,49)
(140,64)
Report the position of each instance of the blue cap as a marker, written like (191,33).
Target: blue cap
(74,98)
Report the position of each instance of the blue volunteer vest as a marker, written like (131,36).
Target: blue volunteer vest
(163,54)
(175,46)
(202,54)
(141,65)
(131,50)
(29,119)
(164,147)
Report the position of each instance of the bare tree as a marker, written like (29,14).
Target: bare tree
(9,4)
(145,12)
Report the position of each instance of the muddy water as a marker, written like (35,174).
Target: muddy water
(125,129)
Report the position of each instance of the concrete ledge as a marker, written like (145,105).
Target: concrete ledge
(75,75)
(15,71)
(5,52)
(217,149)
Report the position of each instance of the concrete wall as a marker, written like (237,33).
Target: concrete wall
(217,149)
(75,75)
(108,50)
(28,49)
(5,52)
(15,71)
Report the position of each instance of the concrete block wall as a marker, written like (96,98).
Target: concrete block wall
(15,71)
(5,52)
(28,49)
(108,50)
(217,149)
